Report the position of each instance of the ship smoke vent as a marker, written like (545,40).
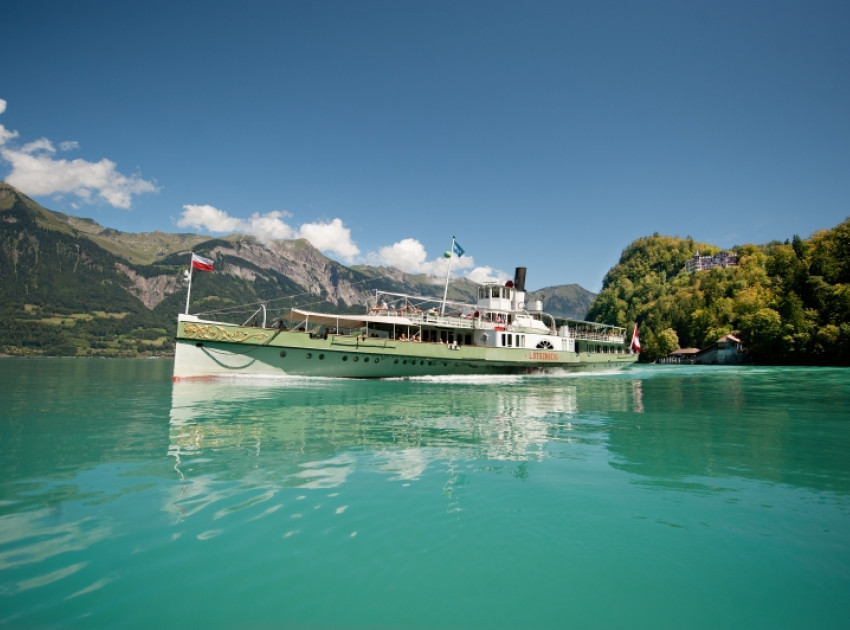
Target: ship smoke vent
(519,279)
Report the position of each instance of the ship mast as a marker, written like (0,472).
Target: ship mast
(448,255)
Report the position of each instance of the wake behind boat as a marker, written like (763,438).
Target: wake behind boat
(401,336)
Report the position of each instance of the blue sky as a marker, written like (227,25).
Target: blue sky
(542,134)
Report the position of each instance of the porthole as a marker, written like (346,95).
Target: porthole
(404,362)
(309,355)
(283,353)
(321,356)
(356,359)
(345,357)
(395,361)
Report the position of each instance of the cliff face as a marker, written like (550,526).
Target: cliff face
(150,291)
(297,260)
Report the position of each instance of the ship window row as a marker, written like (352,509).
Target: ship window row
(593,348)
(375,359)
(505,293)
(513,341)
(440,336)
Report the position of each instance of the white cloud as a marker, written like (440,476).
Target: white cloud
(331,237)
(270,226)
(5,134)
(209,218)
(410,256)
(38,146)
(487,274)
(35,171)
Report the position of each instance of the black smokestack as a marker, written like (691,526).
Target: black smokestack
(519,279)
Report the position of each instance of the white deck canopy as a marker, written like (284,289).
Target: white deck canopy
(344,321)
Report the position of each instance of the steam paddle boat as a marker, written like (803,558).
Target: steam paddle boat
(403,336)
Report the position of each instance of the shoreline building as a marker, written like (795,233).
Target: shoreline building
(704,263)
(728,350)
(682,355)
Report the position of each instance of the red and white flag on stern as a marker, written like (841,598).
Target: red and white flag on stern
(200,263)
(636,340)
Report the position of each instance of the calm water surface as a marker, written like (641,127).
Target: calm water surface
(656,497)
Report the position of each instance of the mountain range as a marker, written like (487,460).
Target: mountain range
(70,286)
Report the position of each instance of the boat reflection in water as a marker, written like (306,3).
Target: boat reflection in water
(318,432)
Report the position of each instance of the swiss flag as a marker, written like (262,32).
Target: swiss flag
(636,340)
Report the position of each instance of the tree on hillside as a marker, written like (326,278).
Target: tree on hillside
(668,341)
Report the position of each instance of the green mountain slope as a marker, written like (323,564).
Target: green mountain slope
(69,286)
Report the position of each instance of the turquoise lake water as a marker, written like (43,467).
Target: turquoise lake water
(656,497)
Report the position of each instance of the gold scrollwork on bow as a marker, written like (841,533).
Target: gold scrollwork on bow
(220,333)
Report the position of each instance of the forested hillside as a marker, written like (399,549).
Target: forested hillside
(789,302)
